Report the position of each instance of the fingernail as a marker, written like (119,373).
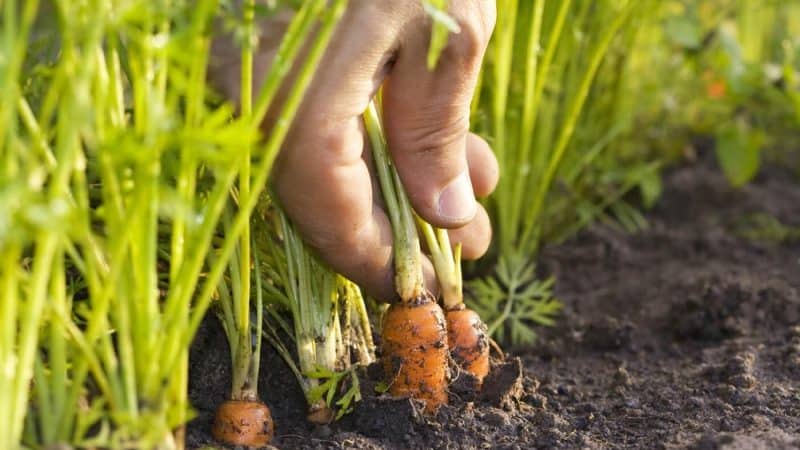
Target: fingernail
(457,200)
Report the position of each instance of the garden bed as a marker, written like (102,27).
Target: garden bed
(686,335)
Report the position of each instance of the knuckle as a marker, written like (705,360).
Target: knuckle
(468,45)
(477,24)
(429,135)
(482,247)
(475,238)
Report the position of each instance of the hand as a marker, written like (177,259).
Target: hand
(322,177)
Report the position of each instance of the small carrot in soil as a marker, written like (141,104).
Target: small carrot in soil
(469,342)
(243,422)
(414,330)
(467,335)
(415,350)
(243,419)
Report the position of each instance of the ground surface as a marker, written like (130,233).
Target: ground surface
(686,335)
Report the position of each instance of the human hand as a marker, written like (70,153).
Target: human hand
(322,175)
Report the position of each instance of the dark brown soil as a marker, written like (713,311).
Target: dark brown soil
(686,335)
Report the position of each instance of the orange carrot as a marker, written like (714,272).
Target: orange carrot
(469,341)
(415,351)
(243,422)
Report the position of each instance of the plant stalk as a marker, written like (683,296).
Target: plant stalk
(407,256)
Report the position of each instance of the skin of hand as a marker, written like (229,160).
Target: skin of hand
(322,175)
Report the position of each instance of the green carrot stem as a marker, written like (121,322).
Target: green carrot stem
(572,115)
(262,169)
(407,257)
(446,263)
(246,96)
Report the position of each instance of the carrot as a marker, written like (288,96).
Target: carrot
(243,422)
(414,330)
(467,334)
(469,341)
(415,351)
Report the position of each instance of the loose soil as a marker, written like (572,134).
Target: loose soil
(686,335)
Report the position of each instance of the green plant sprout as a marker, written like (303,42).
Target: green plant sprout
(135,168)
(330,328)
(513,299)
(766,228)
(467,335)
(244,419)
(532,117)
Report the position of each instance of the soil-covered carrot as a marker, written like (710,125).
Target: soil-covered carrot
(469,341)
(414,330)
(243,422)
(467,335)
(415,350)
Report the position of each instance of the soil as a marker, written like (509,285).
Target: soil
(685,335)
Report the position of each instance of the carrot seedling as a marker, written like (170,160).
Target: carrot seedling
(329,324)
(243,419)
(414,330)
(533,133)
(467,335)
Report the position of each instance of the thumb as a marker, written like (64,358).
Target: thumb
(426,115)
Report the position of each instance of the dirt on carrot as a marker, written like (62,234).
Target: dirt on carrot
(684,336)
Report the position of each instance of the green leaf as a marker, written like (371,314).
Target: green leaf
(650,187)
(381,387)
(513,300)
(353,395)
(684,31)
(738,149)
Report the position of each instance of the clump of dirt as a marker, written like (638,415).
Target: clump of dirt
(686,335)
